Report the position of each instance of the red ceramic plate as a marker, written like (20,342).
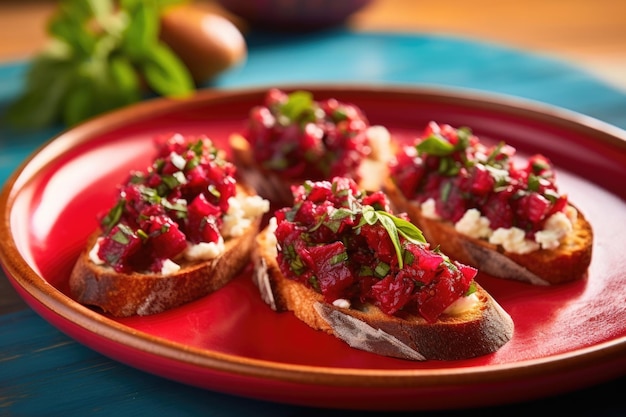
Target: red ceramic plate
(566,337)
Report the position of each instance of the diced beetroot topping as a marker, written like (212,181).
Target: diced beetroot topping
(331,271)
(341,242)
(392,293)
(121,244)
(442,292)
(165,239)
(180,198)
(299,137)
(203,220)
(459,172)
(378,239)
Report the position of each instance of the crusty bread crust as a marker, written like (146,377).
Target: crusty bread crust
(480,331)
(124,295)
(568,262)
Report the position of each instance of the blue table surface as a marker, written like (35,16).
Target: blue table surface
(43,372)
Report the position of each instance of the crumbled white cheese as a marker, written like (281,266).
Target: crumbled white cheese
(204,251)
(169,267)
(557,226)
(178,160)
(242,210)
(180,177)
(513,240)
(429,210)
(462,305)
(474,225)
(93,253)
(341,303)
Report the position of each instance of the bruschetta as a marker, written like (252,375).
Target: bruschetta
(344,264)
(484,207)
(293,137)
(178,231)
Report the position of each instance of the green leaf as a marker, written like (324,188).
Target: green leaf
(407,229)
(300,107)
(100,51)
(497,151)
(69,25)
(126,80)
(142,32)
(40,105)
(392,231)
(166,74)
(160,4)
(79,104)
(533,182)
(101,11)
(100,86)
(435,145)
(113,216)
(394,226)
(369,215)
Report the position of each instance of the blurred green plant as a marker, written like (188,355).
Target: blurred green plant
(103,54)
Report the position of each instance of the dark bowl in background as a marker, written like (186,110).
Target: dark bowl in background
(293,15)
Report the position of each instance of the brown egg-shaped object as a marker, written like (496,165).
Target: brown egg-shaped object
(206,42)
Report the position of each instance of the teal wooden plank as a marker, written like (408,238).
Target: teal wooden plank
(42,370)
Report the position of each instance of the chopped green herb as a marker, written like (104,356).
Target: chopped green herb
(314,282)
(472,289)
(435,145)
(337,217)
(180,207)
(339,258)
(394,226)
(446,188)
(113,216)
(382,269)
(300,107)
(122,234)
(539,166)
(533,182)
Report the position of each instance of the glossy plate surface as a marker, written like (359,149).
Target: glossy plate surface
(566,337)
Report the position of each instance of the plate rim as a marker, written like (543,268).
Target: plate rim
(51,299)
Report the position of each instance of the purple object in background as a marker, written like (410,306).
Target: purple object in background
(294,15)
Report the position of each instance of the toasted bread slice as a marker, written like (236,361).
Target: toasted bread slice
(179,230)
(481,330)
(568,262)
(127,294)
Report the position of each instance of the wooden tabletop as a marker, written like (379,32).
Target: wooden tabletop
(591,34)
